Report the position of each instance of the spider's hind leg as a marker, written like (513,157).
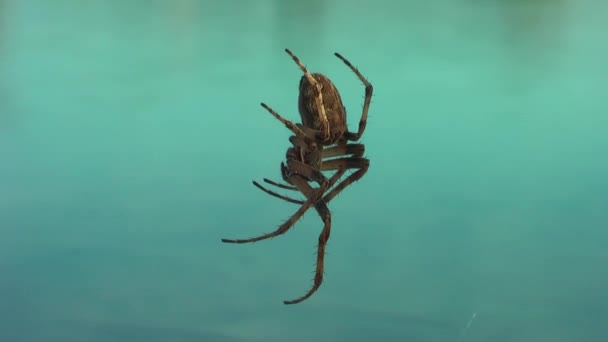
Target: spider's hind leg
(325,214)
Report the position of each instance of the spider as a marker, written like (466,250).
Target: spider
(320,143)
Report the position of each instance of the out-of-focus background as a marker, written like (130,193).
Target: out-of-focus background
(130,132)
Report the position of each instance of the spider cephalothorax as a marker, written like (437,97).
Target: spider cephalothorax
(320,144)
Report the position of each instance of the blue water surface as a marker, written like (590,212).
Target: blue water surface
(130,132)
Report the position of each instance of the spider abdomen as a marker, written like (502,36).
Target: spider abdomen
(334,109)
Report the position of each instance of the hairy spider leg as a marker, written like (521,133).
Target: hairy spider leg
(319,89)
(290,125)
(289,223)
(294,169)
(325,215)
(368,99)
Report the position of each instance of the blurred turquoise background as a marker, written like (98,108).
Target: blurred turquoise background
(130,132)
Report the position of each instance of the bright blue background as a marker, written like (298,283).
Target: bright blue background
(130,132)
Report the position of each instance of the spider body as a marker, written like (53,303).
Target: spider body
(319,144)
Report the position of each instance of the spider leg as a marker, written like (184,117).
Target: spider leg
(332,181)
(362,164)
(355,160)
(368,99)
(290,125)
(272,193)
(325,214)
(294,172)
(355,150)
(309,131)
(319,89)
(292,220)
(337,150)
(306,171)
(279,185)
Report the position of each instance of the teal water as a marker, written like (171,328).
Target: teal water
(130,133)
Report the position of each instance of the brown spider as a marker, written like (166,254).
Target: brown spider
(322,134)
